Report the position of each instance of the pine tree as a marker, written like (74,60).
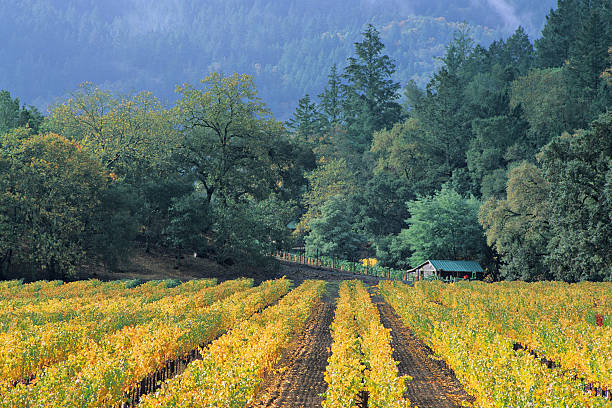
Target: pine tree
(370,95)
(306,120)
(519,52)
(331,99)
(558,34)
(565,25)
(588,60)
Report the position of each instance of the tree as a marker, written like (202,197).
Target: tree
(413,95)
(558,33)
(379,206)
(12,115)
(227,134)
(370,95)
(486,93)
(331,99)
(241,159)
(498,141)
(155,199)
(132,136)
(306,121)
(577,35)
(519,53)
(544,98)
(379,211)
(114,225)
(331,233)
(442,114)
(135,138)
(291,160)
(518,226)
(190,218)
(50,192)
(331,178)
(403,153)
(458,51)
(588,58)
(578,167)
(247,231)
(443,226)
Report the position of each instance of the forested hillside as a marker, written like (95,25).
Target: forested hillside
(50,47)
(504,157)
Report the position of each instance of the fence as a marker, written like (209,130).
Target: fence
(339,265)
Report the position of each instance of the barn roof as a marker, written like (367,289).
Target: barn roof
(454,266)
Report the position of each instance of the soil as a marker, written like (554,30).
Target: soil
(433,383)
(152,266)
(298,380)
(162,265)
(298,273)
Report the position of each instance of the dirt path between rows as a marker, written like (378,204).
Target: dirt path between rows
(298,381)
(433,384)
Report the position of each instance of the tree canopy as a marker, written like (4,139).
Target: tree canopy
(507,142)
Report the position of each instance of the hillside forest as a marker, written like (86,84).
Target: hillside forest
(504,156)
(287,46)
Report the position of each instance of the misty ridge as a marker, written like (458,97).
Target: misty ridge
(50,47)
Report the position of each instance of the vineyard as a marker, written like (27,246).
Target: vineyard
(331,343)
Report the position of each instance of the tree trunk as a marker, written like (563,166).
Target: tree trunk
(178,257)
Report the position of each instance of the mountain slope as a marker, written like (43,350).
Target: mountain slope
(49,48)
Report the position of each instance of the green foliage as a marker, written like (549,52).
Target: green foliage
(227,133)
(543,96)
(379,207)
(290,160)
(50,192)
(443,116)
(190,219)
(247,231)
(331,99)
(516,53)
(135,138)
(240,158)
(588,59)
(577,35)
(132,136)
(331,233)
(155,196)
(578,168)
(558,33)
(331,178)
(443,226)
(562,28)
(306,120)
(498,141)
(113,225)
(405,153)
(219,175)
(12,115)
(555,222)
(370,94)
(392,251)
(518,226)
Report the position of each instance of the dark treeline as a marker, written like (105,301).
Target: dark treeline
(504,157)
